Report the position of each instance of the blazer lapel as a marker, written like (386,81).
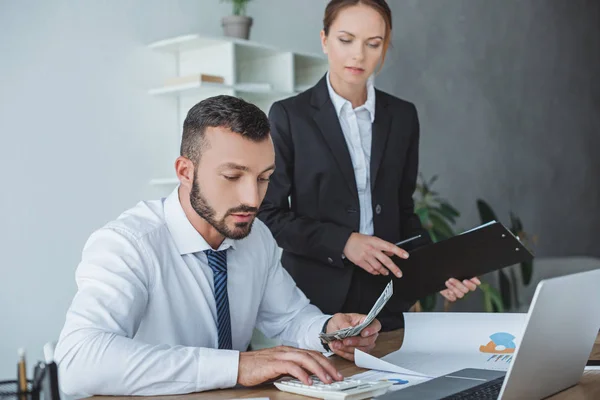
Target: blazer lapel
(329,125)
(380,133)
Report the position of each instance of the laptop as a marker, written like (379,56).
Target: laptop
(560,331)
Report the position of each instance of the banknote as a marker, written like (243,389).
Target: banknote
(356,330)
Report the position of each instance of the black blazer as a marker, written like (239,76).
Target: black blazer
(314,169)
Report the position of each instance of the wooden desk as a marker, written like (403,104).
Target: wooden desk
(588,388)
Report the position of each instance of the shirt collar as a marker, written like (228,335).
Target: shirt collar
(187,239)
(339,102)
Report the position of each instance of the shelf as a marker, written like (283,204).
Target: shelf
(164,181)
(268,94)
(208,87)
(197,42)
(258,73)
(188,87)
(246,49)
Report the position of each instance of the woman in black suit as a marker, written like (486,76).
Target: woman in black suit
(347,158)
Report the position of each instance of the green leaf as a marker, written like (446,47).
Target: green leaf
(505,289)
(492,302)
(424,184)
(440,212)
(239,6)
(487,300)
(516,224)
(433,236)
(433,179)
(513,279)
(440,225)
(496,300)
(526,272)
(486,214)
(428,302)
(448,209)
(442,235)
(423,214)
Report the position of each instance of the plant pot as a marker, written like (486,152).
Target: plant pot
(237,26)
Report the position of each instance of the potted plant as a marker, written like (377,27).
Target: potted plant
(237,25)
(438,218)
(508,297)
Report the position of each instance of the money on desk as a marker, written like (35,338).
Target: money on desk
(356,330)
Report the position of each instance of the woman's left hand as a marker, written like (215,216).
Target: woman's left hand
(457,290)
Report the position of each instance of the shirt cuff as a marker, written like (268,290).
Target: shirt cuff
(313,341)
(218,369)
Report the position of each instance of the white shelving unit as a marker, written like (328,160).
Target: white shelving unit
(258,73)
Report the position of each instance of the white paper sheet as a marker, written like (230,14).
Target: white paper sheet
(368,361)
(400,381)
(436,344)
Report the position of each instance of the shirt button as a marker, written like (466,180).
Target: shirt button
(378,209)
(329,260)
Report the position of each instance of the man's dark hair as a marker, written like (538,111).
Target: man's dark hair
(224,111)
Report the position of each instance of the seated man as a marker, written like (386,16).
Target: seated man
(169,292)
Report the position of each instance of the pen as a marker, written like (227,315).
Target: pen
(38,374)
(408,240)
(50,377)
(22,371)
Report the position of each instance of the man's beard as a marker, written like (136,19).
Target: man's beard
(201,206)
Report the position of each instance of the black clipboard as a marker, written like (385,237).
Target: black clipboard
(484,249)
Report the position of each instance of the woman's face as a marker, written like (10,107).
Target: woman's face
(354,45)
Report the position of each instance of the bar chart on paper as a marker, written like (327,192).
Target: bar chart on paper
(499,357)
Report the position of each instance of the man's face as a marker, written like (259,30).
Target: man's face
(231,181)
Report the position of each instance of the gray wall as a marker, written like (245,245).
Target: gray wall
(509,99)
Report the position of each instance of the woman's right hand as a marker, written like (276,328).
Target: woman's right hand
(369,253)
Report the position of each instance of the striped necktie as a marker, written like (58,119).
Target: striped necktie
(217,261)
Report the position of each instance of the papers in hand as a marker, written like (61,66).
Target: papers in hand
(356,330)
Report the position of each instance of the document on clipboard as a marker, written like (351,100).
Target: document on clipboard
(483,249)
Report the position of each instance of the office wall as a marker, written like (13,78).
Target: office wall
(80,138)
(509,99)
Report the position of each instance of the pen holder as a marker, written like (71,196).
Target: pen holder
(9,390)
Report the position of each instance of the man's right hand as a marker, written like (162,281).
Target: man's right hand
(256,367)
(372,254)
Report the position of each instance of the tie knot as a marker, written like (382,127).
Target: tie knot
(217,260)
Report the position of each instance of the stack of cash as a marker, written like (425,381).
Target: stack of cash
(355,330)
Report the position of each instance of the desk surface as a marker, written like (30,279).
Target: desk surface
(588,387)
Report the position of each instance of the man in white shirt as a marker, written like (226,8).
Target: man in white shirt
(169,293)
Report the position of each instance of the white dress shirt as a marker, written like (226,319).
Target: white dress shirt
(143,321)
(357,128)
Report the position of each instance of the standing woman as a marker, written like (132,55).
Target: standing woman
(347,159)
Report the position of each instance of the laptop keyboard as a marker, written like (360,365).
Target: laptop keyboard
(486,391)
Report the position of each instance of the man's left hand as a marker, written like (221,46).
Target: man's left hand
(457,290)
(364,342)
